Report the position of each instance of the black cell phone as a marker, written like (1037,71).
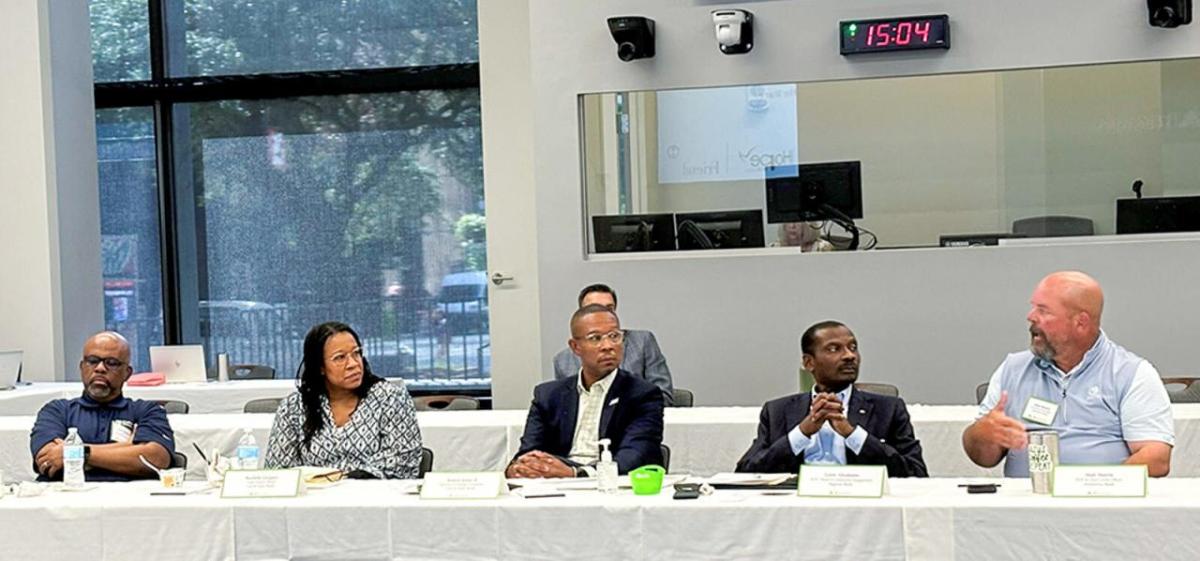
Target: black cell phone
(687,490)
(977,488)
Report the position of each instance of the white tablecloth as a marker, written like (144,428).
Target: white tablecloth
(703,440)
(920,519)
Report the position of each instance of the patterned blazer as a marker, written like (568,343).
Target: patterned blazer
(381,437)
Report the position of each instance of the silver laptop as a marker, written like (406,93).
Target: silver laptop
(10,369)
(179,363)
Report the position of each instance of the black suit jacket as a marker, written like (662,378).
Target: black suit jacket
(632,418)
(889,442)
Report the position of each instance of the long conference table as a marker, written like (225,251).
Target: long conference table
(703,440)
(928,520)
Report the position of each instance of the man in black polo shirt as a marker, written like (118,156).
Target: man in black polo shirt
(115,430)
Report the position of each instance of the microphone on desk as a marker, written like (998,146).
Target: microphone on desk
(1137,187)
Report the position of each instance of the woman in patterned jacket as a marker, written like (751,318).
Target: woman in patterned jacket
(344,416)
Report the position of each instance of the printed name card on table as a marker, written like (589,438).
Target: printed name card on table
(842,481)
(262,483)
(448,485)
(1100,481)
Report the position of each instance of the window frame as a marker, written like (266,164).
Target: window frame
(166,96)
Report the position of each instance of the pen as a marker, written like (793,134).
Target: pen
(201,452)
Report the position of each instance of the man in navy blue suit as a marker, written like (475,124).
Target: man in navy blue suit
(569,416)
(835,423)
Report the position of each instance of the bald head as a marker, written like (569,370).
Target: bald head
(1064,317)
(105,366)
(109,338)
(1077,292)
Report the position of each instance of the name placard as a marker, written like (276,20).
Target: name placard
(448,485)
(1099,481)
(261,483)
(841,481)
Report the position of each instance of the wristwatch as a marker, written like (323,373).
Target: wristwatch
(87,455)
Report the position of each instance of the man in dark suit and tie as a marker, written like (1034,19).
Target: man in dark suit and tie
(835,423)
(568,416)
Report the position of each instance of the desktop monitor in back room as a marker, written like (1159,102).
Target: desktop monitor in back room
(720,229)
(618,233)
(814,192)
(1158,214)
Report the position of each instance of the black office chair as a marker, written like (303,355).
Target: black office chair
(173,406)
(1182,389)
(881,389)
(262,405)
(445,403)
(426,465)
(682,397)
(1053,226)
(981,391)
(666,456)
(251,372)
(178,460)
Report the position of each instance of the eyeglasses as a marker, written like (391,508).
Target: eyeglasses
(594,339)
(111,363)
(340,359)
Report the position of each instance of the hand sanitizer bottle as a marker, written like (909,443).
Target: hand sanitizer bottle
(606,469)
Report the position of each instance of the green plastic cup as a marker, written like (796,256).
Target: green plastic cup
(647,480)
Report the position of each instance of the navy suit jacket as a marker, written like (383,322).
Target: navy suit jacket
(632,418)
(890,440)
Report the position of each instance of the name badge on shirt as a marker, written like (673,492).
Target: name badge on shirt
(121,431)
(1040,411)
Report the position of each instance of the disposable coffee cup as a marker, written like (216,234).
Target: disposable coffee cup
(172,477)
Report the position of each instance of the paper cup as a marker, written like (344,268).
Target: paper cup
(172,477)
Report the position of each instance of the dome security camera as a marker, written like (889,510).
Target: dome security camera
(735,31)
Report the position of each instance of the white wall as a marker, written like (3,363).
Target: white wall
(936,322)
(50,284)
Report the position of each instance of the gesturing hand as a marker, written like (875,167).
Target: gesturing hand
(1000,429)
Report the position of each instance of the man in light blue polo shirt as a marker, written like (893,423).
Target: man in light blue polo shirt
(1107,404)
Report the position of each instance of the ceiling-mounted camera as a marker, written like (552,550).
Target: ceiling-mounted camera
(735,31)
(1169,13)
(634,36)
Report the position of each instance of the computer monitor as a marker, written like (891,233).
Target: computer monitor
(617,233)
(719,229)
(1158,214)
(812,192)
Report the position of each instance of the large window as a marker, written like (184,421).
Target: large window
(312,161)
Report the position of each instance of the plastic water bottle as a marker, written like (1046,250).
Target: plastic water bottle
(247,451)
(73,459)
(606,469)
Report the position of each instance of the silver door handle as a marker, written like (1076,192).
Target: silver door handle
(498,278)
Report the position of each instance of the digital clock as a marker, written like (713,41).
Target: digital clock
(895,34)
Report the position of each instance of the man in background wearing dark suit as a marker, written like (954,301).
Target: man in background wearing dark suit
(835,423)
(568,416)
